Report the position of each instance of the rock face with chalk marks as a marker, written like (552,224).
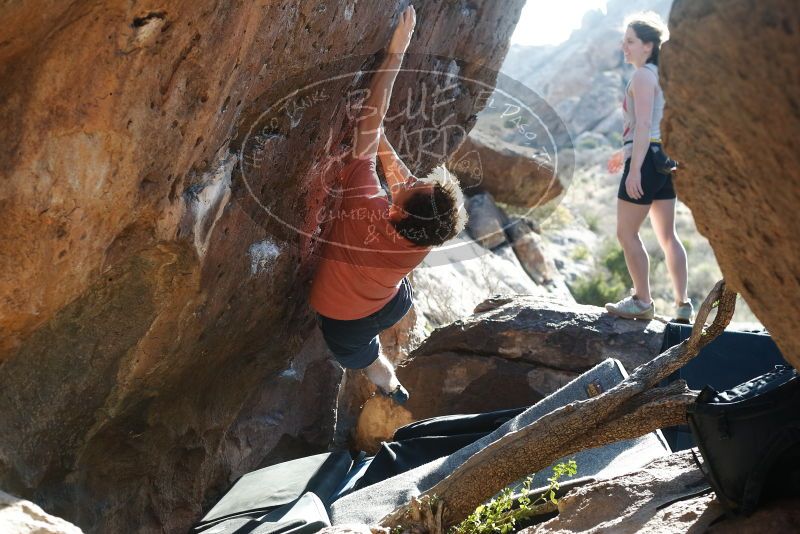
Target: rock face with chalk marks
(158,233)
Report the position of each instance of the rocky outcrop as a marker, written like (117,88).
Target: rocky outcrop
(664,497)
(511,174)
(453,280)
(584,77)
(547,332)
(650,500)
(529,247)
(491,227)
(741,180)
(487,222)
(775,516)
(23,517)
(512,352)
(160,209)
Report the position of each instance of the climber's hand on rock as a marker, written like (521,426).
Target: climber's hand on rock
(402,33)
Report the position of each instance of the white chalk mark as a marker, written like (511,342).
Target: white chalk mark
(211,200)
(262,256)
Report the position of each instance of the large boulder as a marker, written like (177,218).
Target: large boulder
(512,174)
(781,515)
(490,226)
(733,120)
(159,230)
(513,351)
(548,332)
(665,497)
(649,500)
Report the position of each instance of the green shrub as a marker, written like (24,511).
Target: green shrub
(593,222)
(614,261)
(588,143)
(580,253)
(608,282)
(597,289)
(499,515)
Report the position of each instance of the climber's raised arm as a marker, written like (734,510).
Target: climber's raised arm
(373,110)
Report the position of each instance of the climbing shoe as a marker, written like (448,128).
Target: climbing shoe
(399,395)
(683,313)
(631,308)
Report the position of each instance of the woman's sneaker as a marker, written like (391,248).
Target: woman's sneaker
(684,313)
(631,308)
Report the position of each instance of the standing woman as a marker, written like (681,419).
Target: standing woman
(643,189)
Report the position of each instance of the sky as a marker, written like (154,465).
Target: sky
(551,21)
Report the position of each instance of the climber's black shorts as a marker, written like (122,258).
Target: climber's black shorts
(355,344)
(656,185)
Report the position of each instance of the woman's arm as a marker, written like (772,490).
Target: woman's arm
(644,89)
(394,169)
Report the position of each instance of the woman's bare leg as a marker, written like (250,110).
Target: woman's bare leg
(629,219)
(662,215)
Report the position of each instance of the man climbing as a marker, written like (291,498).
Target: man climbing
(360,287)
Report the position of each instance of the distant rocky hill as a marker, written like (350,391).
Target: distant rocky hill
(583,77)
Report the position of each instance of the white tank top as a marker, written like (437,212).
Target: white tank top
(629,114)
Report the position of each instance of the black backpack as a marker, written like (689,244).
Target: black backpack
(749,438)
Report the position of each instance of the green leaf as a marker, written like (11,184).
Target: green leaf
(499,514)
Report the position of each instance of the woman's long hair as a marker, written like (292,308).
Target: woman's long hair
(649,27)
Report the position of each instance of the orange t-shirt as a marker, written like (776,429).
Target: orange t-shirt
(364,259)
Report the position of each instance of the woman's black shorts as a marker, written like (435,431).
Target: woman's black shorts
(656,185)
(355,344)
